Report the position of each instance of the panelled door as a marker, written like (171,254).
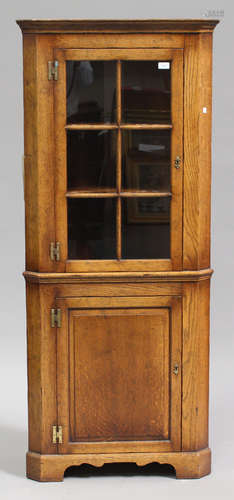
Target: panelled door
(118,152)
(119,374)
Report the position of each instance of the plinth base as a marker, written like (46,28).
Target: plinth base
(187,465)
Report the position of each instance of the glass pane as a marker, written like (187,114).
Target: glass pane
(92,228)
(146,91)
(146,228)
(91,159)
(146,160)
(90,91)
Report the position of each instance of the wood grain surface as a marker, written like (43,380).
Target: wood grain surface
(197,151)
(108,375)
(119,353)
(119,374)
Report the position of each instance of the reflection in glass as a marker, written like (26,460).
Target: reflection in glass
(146,92)
(146,160)
(146,228)
(92,228)
(91,159)
(90,91)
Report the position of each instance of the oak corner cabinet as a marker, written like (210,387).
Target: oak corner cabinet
(117,201)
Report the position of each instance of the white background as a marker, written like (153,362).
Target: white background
(13,400)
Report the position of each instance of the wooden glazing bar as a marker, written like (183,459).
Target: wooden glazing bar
(118,161)
(145,194)
(118,228)
(118,92)
(112,126)
(91,126)
(146,126)
(113,194)
(90,194)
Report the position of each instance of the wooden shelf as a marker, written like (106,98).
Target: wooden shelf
(112,126)
(145,194)
(114,194)
(146,126)
(91,194)
(91,126)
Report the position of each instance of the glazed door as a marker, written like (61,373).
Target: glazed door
(118,152)
(119,374)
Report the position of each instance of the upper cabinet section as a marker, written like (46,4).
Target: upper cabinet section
(118,118)
(117,145)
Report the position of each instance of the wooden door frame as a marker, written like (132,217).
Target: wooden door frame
(175,263)
(68,303)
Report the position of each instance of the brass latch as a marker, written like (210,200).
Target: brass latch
(53,70)
(176,369)
(57,434)
(56,318)
(55,251)
(177,162)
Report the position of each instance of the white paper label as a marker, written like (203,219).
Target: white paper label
(204,110)
(163,65)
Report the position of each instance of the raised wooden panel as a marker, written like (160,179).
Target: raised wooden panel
(117,389)
(119,374)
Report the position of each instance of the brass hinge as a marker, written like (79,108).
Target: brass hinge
(55,318)
(57,434)
(53,70)
(55,251)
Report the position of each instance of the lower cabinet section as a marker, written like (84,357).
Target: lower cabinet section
(117,372)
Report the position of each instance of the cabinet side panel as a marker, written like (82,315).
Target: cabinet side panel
(39,143)
(48,370)
(45,153)
(34,366)
(197,150)
(30,152)
(195,366)
(205,122)
(42,403)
